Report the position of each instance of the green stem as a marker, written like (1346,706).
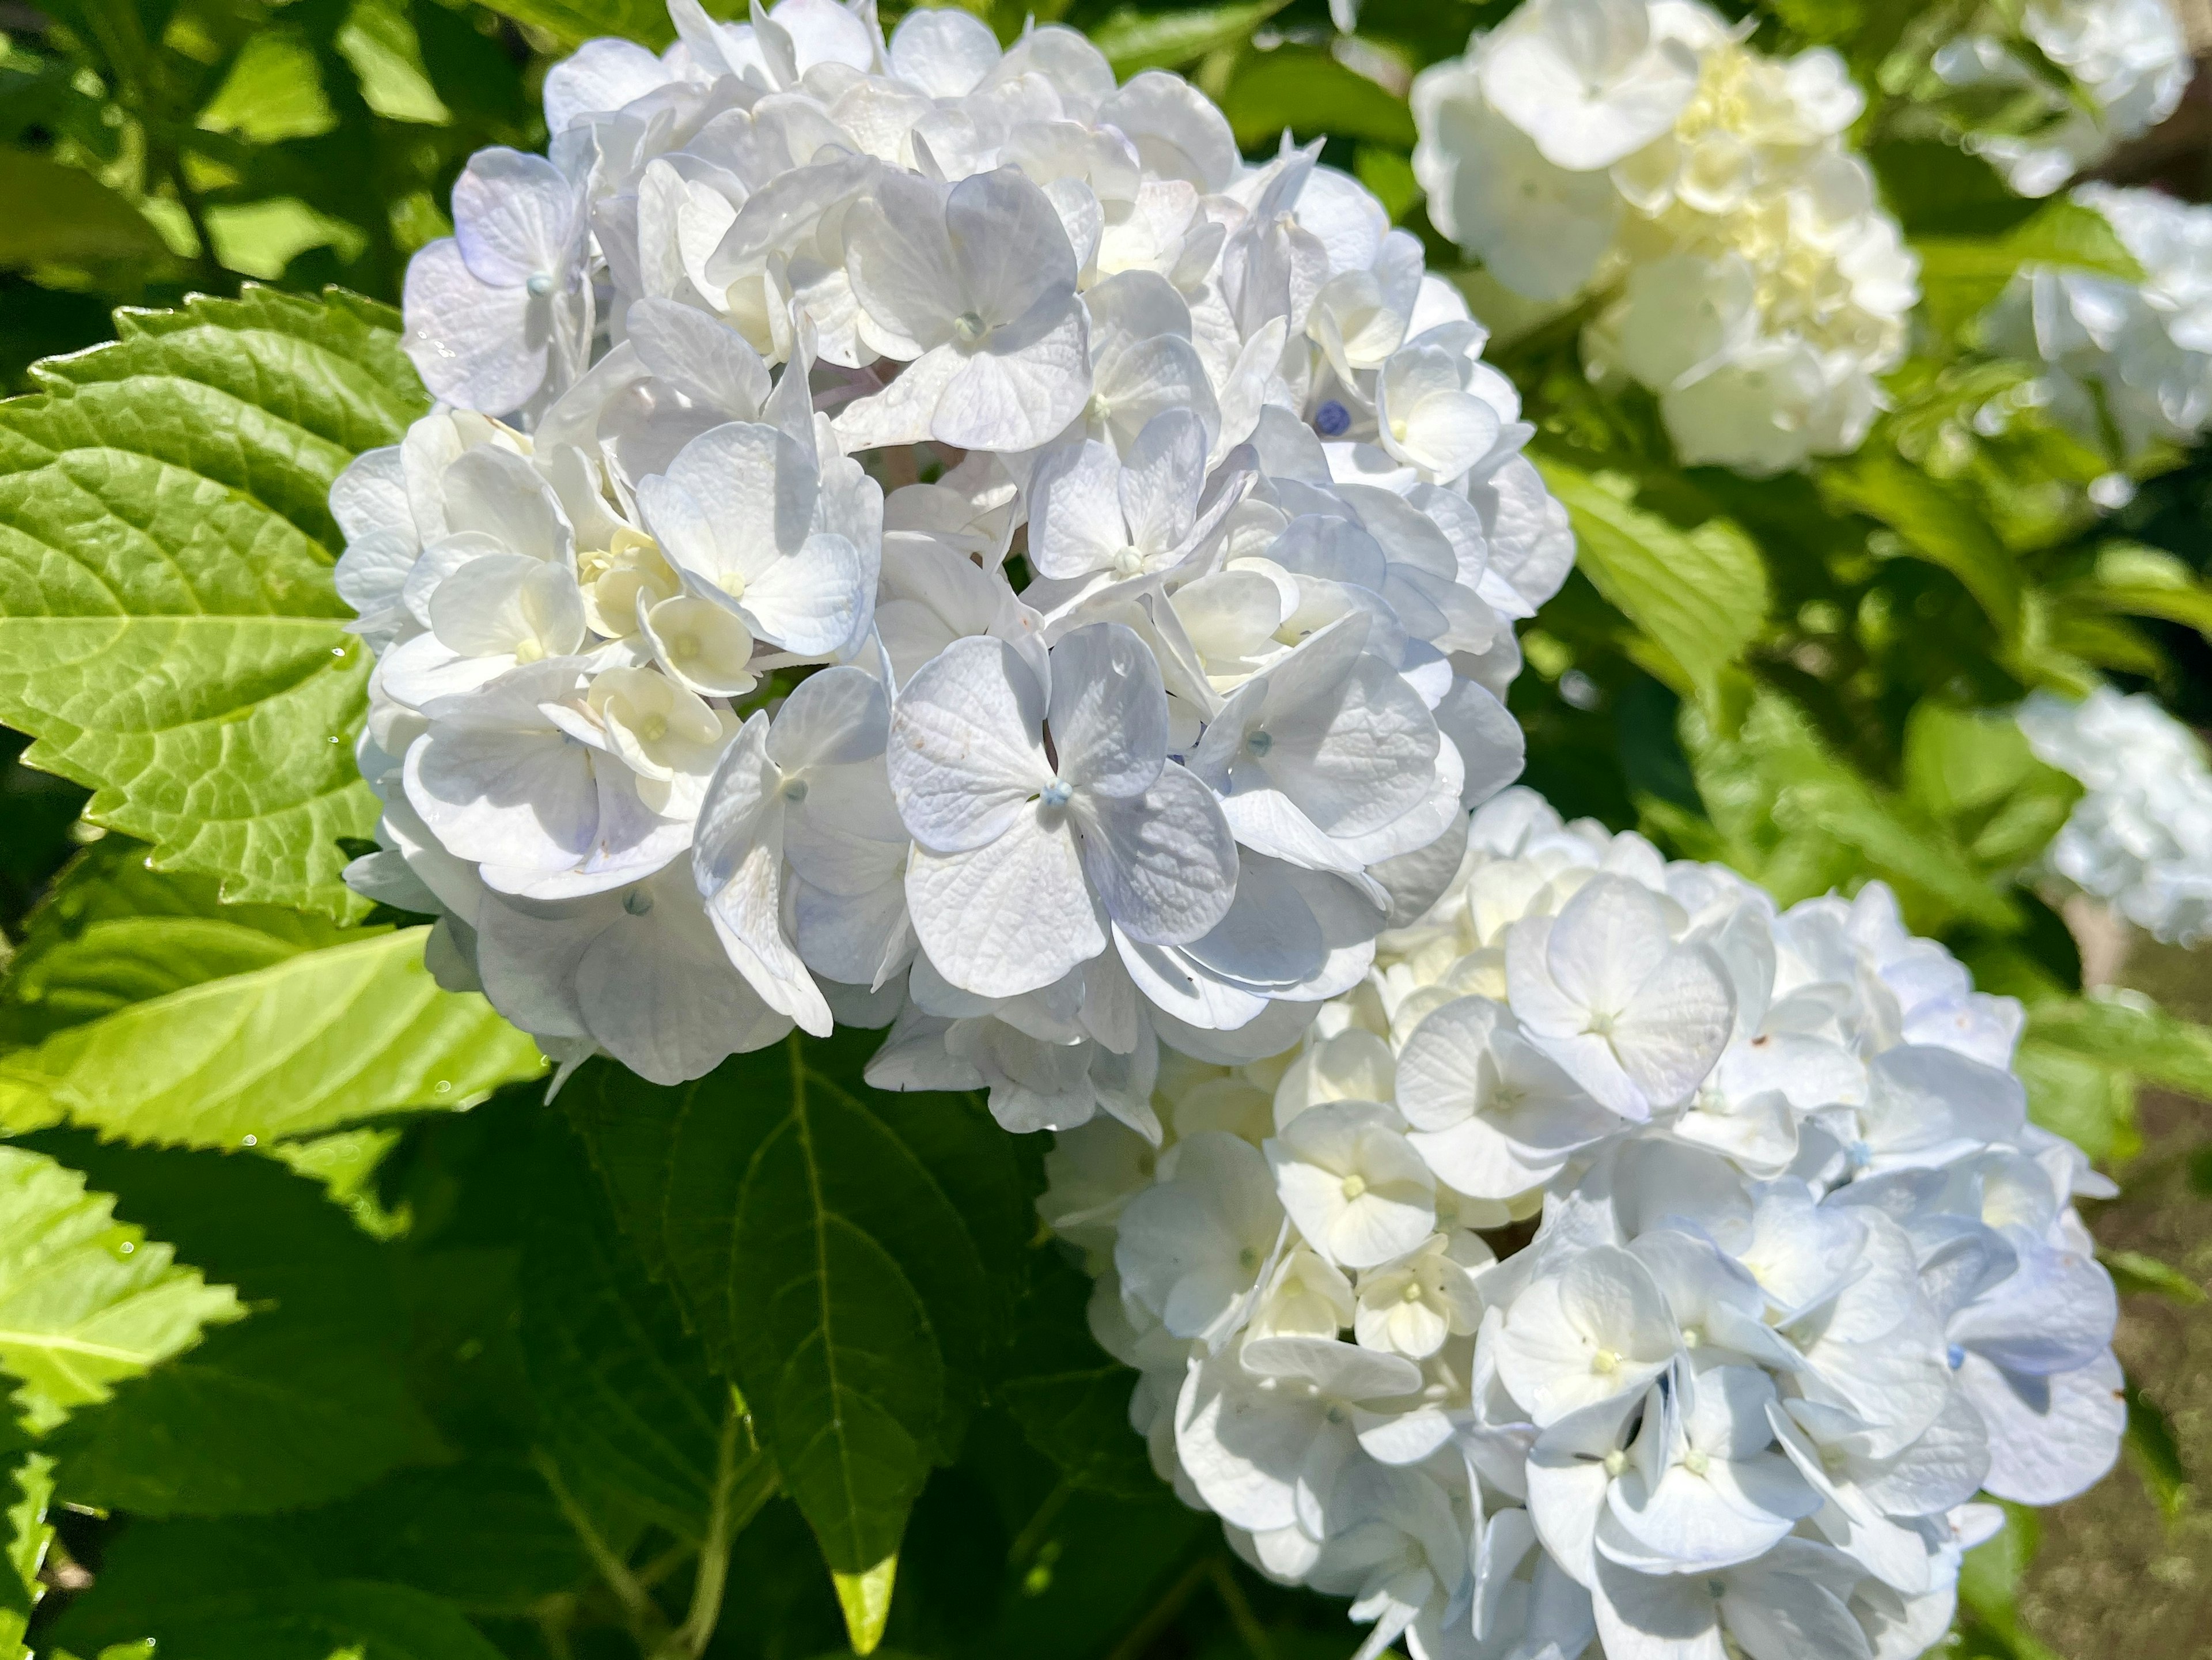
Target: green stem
(1031,1538)
(742,1485)
(647,1625)
(1162,1613)
(1248,1628)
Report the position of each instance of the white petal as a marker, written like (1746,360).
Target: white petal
(966,750)
(1009,917)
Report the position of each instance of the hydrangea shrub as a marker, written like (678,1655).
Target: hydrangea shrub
(986,845)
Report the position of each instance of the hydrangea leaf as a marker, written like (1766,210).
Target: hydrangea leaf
(627,1404)
(1800,820)
(2126,1030)
(303,1402)
(113,932)
(1937,524)
(844,1257)
(482,1534)
(1310,93)
(1699,595)
(359,1617)
(307,1044)
(169,631)
(1071,1398)
(86,1301)
(572,23)
(1165,38)
(25,1533)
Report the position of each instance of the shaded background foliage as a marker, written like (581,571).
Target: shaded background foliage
(501,1419)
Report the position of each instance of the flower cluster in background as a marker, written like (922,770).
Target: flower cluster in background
(1639,150)
(2141,839)
(2127,365)
(2127,58)
(1805,1279)
(916,532)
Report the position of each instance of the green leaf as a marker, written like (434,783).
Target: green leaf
(1936,525)
(841,1253)
(25,1492)
(303,1621)
(62,216)
(168,629)
(1309,93)
(2126,1030)
(274,91)
(1989,1588)
(1699,595)
(627,1404)
(2155,1452)
(113,932)
(1973,770)
(1168,38)
(2133,1272)
(1800,820)
(572,23)
(1070,1396)
(1961,276)
(301,1402)
(482,1534)
(86,1301)
(2140,582)
(2091,1103)
(318,1040)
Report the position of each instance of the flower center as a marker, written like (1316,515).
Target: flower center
(1413,1292)
(1057,794)
(529,651)
(1605,1363)
(1615,1462)
(1332,419)
(1128,562)
(653,728)
(684,646)
(540,284)
(795,791)
(1354,1185)
(1258,743)
(970,328)
(1695,1461)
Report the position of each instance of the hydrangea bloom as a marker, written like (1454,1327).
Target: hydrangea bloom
(2128,58)
(2130,360)
(917,533)
(2142,838)
(1639,150)
(1796,1277)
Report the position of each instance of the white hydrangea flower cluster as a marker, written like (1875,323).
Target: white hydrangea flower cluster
(2128,58)
(915,532)
(1805,1281)
(1639,150)
(2141,839)
(2126,365)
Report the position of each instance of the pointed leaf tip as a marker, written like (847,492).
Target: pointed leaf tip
(866,1598)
